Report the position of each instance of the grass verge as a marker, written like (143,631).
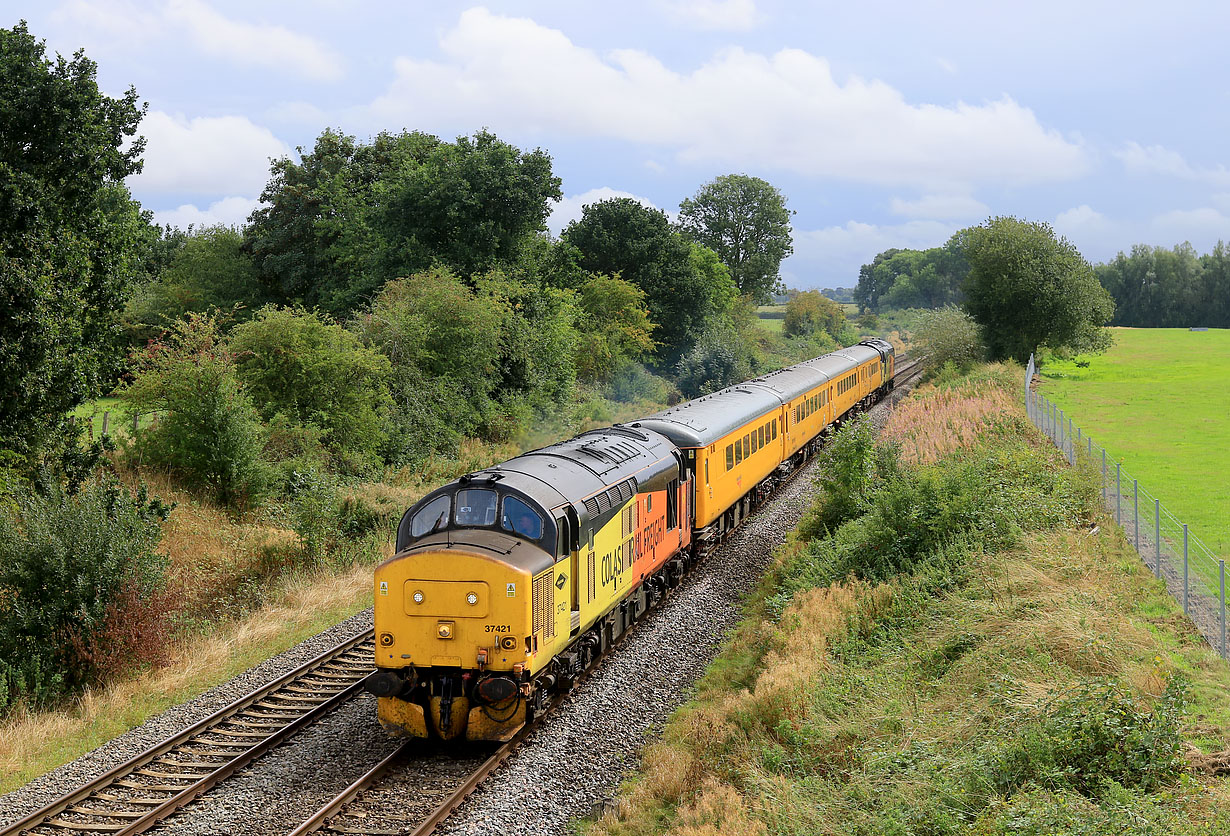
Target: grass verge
(31,743)
(947,645)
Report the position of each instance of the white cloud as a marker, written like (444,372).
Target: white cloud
(253,44)
(569,208)
(1203,227)
(1156,159)
(940,207)
(230,211)
(731,15)
(830,257)
(129,23)
(222,155)
(784,111)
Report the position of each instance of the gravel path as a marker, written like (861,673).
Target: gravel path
(575,761)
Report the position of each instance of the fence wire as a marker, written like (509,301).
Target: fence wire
(1193,574)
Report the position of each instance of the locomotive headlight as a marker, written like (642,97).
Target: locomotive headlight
(472,599)
(417,596)
(444,629)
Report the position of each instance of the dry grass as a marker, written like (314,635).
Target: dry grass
(935,422)
(33,742)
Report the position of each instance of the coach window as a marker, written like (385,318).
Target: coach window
(752,436)
(746,447)
(476,507)
(774,430)
(739,451)
(433,515)
(730,456)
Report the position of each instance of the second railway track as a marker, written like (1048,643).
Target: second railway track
(136,795)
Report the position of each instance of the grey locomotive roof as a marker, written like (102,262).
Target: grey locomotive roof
(702,421)
(595,473)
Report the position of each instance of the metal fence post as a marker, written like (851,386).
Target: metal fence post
(1157,534)
(1059,441)
(1136,514)
(1185,568)
(1103,476)
(1221,571)
(1118,492)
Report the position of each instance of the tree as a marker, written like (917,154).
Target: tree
(912,279)
(745,221)
(443,345)
(1027,289)
(469,205)
(810,312)
(308,368)
(685,285)
(350,216)
(207,270)
(71,238)
(615,327)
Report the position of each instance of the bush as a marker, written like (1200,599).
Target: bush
(1096,736)
(307,367)
(810,312)
(206,429)
(77,576)
(719,359)
(949,336)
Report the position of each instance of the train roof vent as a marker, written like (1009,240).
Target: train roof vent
(610,452)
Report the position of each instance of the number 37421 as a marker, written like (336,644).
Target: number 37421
(499,628)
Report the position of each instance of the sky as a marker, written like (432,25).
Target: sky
(884,124)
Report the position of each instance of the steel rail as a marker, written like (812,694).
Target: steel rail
(338,679)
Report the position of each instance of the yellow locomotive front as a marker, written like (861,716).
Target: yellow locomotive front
(455,651)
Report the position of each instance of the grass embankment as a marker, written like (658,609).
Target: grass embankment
(1157,401)
(946,646)
(244,588)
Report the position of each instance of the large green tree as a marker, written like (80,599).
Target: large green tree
(745,221)
(1027,289)
(912,279)
(684,284)
(350,216)
(71,238)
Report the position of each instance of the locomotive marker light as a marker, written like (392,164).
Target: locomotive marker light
(444,629)
(471,599)
(418,596)
(386,639)
(508,643)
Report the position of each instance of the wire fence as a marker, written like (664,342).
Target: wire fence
(1193,574)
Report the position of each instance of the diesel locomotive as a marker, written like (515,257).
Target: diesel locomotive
(509,582)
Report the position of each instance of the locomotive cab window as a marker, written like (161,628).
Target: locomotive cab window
(432,515)
(521,519)
(475,506)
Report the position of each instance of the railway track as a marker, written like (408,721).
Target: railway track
(378,804)
(136,795)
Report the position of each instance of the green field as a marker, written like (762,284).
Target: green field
(1159,401)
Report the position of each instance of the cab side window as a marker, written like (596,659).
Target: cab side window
(432,515)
